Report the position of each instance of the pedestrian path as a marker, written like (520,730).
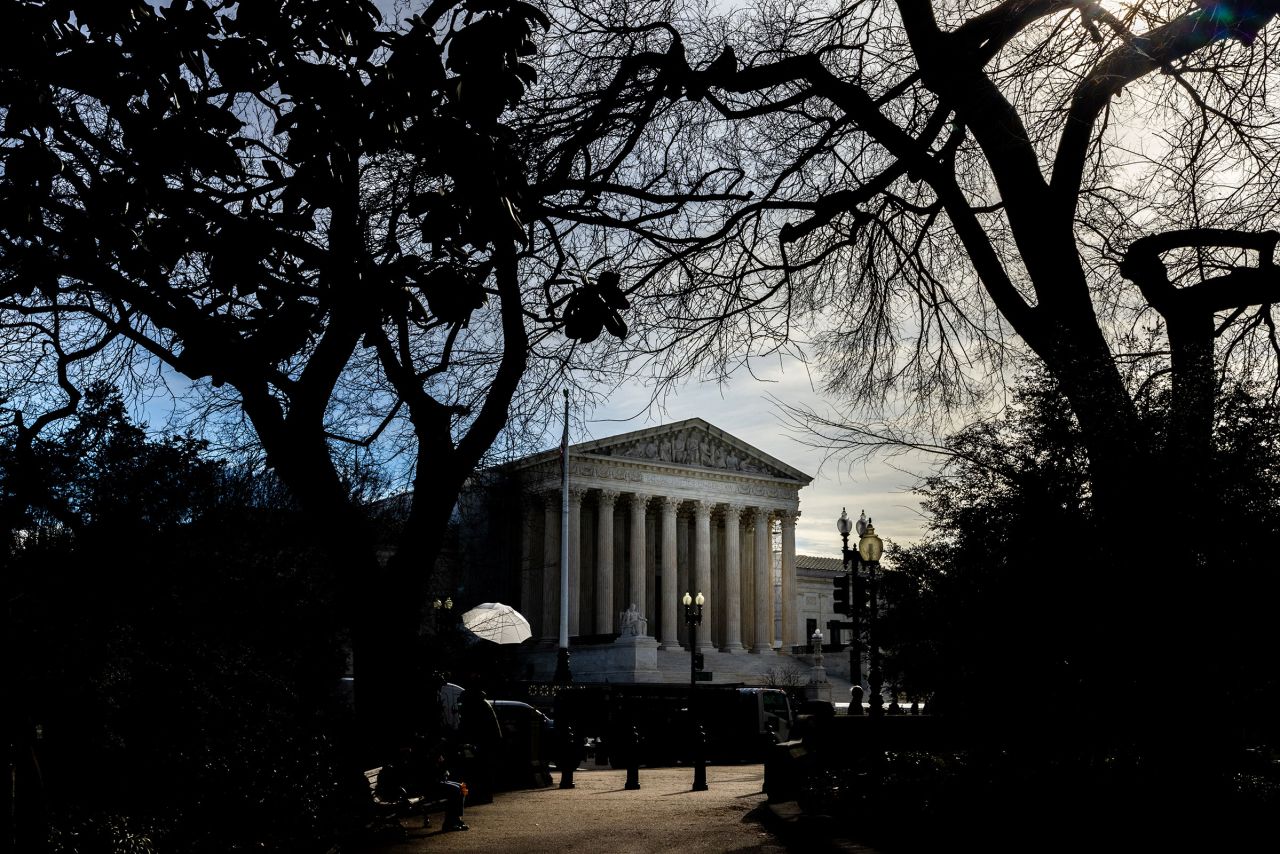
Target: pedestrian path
(599,815)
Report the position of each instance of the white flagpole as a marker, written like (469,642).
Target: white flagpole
(564,529)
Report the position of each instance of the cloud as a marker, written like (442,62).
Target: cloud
(747,406)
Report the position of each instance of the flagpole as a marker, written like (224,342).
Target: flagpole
(562,657)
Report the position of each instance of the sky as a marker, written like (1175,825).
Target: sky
(748,408)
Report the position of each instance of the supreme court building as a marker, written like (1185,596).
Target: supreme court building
(652,514)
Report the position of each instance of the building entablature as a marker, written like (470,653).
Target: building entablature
(691,461)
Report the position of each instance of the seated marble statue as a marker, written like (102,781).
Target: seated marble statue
(632,623)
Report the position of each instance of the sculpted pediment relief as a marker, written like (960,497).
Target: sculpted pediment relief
(689,446)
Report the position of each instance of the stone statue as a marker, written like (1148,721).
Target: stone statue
(632,623)
(707,458)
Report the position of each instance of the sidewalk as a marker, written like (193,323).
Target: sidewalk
(599,815)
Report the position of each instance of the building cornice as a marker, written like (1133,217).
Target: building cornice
(601,448)
(626,474)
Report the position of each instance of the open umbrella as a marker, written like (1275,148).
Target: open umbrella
(493,621)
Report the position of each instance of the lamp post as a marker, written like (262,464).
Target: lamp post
(853,607)
(870,547)
(443,610)
(693,619)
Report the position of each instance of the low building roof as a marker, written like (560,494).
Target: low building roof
(815,565)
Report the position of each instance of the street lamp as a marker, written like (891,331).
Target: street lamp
(847,603)
(870,547)
(443,610)
(693,619)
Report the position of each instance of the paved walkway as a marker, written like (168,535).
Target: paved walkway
(599,815)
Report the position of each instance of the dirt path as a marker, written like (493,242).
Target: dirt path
(599,816)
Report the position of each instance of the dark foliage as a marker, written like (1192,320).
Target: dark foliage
(179,652)
(1001,800)
(989,614)
(315,213)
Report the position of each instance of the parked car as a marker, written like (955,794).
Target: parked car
(528,742)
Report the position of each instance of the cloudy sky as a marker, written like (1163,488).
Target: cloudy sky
(748,408)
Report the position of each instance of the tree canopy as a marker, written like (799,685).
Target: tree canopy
(923,190)
(924,193)
(172,653)
(1011,523)
(319,216)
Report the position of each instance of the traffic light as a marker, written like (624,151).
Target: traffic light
(858,594)
(841,595)
(698,662)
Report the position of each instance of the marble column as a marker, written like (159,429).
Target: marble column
(636,564)
(764,583)
(650,605)
(670,583)
(575,560)
(682,560)
(702,569)
(715,627)
(793,633)
(746,560)
(732,598)
(619,564)
(551,567)
(604,561)
(586,562)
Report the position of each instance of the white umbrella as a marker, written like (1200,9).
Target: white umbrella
(496,622)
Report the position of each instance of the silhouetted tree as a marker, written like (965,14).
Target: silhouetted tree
(927,190)
(991,609)
(319,213)
(168,632)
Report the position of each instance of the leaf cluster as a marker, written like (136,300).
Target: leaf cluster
(188,159)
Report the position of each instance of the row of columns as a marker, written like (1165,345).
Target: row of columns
(679,570)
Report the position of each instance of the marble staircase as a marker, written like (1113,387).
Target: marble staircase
(641,660)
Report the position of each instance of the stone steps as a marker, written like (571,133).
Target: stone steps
(594,663)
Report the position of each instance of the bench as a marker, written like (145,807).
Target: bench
(407,805)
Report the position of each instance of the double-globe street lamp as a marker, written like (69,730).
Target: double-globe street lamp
(846,589)
(849,597)
(870,548)
(693,619)
(443,612)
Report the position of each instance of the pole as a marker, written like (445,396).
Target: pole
(693,660)
(874,678)
(563,673)
(851,563)
(692,618)
(699,737)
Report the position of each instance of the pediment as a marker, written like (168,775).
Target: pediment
(694,444)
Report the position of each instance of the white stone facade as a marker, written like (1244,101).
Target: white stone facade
(653,514)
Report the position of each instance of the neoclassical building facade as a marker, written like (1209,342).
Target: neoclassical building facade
(652,514)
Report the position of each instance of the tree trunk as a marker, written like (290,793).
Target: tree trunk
(1135,571)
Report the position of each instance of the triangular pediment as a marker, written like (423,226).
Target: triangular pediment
(693,443)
